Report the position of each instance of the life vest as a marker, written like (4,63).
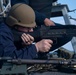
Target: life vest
(42,6)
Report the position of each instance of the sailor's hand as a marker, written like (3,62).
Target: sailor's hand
(27,39)
(48,22)
(44,45)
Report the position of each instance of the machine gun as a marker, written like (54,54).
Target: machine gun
(50,32)
(59,34)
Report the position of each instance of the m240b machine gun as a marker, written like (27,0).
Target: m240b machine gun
(59,34)
(47,32)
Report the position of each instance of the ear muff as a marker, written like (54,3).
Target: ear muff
(11,21)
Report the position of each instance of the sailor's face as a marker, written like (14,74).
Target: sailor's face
(26,29)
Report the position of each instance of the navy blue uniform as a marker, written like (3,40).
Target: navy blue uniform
(8,49)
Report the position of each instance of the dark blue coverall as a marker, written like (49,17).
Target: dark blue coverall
(8,49)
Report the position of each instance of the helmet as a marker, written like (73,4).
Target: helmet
(22,15)
(5,6)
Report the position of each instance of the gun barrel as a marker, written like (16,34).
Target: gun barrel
(35,61)
(55,62)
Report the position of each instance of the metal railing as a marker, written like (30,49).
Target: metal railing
(5,5)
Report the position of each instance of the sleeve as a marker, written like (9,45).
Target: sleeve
(40,18)
(7,48)
(19,1)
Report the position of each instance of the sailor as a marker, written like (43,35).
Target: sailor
(22,18)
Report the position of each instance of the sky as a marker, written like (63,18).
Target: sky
(71,5)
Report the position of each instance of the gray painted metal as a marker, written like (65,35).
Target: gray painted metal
(64,9)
